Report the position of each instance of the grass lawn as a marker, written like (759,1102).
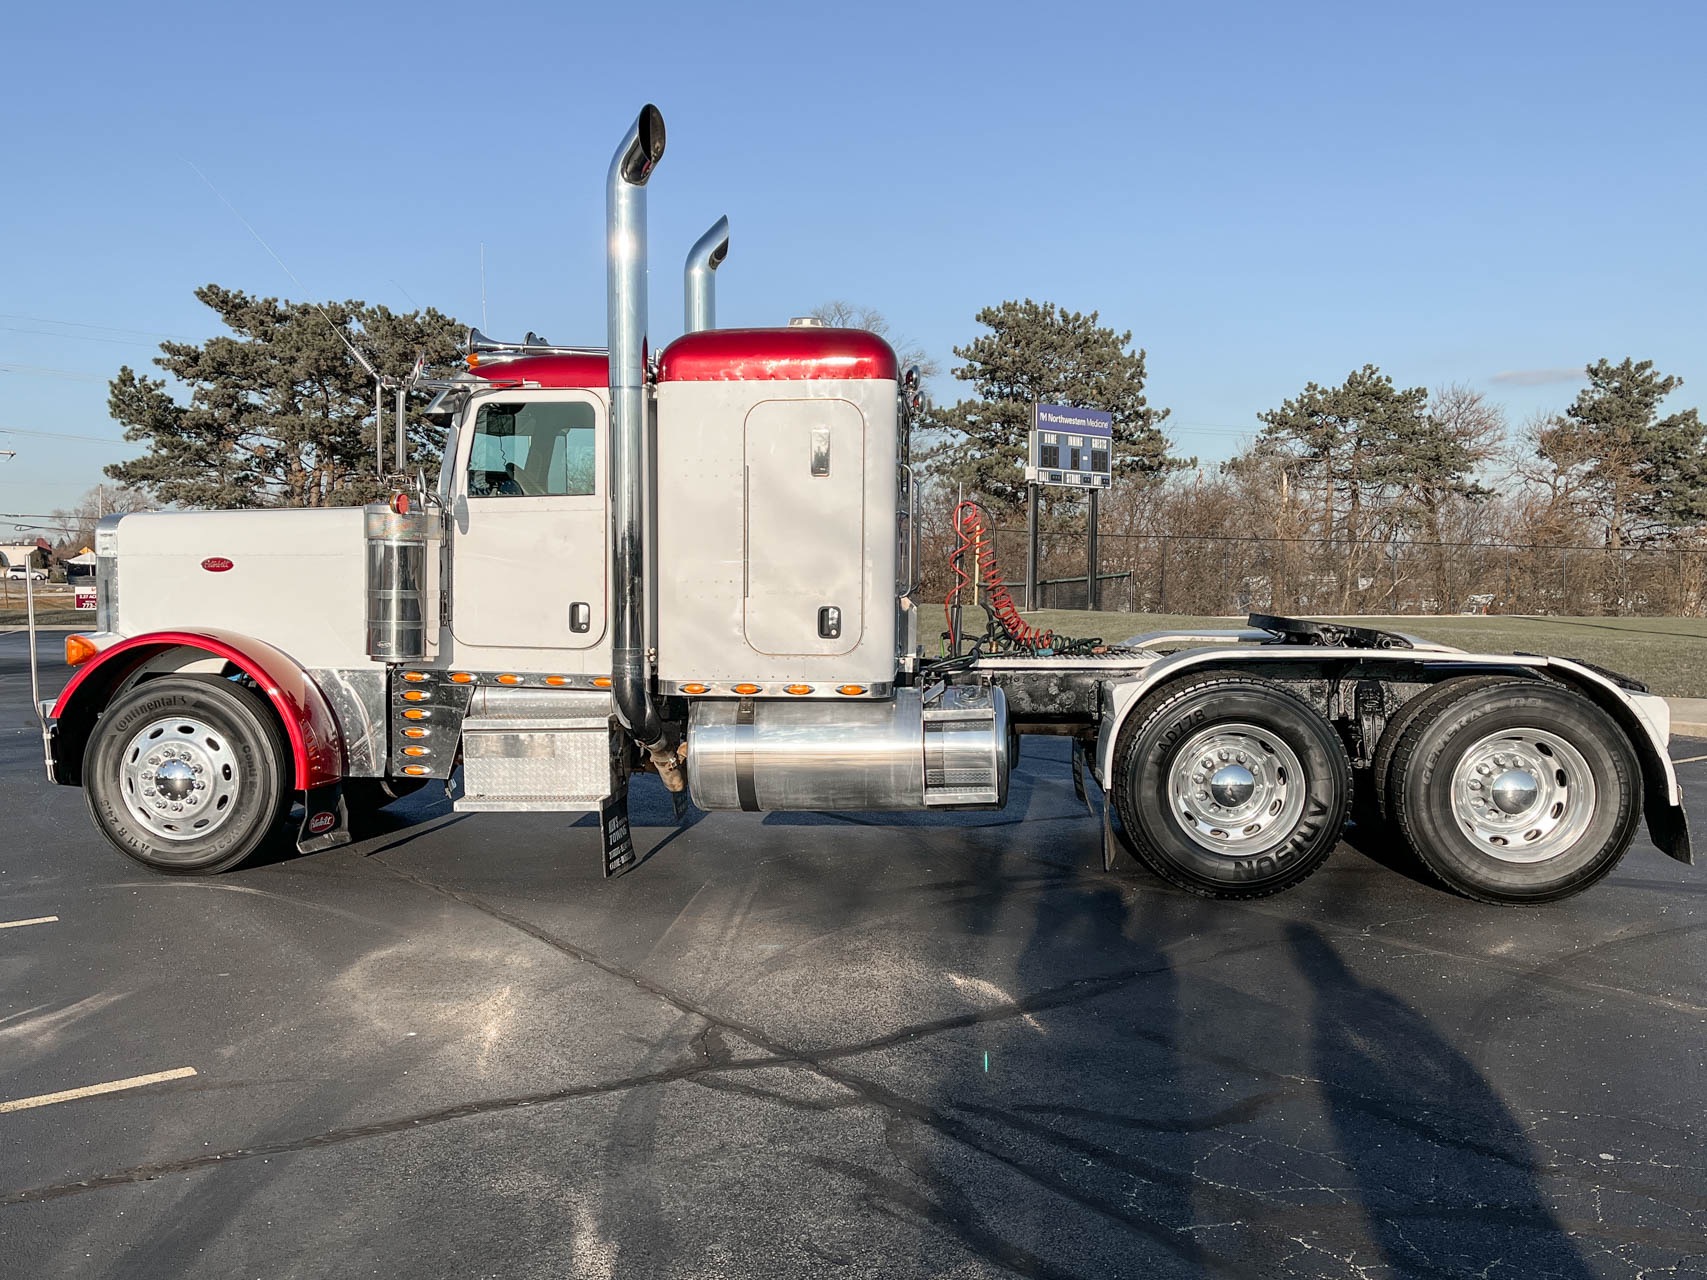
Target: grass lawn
(1669,654)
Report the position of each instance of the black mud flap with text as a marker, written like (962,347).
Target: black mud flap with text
(325,820)
(613,812)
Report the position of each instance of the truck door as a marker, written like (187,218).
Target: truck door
(530,523)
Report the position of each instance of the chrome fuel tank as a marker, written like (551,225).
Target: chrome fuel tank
(945,748)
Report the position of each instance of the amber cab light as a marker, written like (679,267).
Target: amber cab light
(746,688)
(851,690)
(416,751)
(79,649)
(414,733)
(601,682)
(415,695)
(414,677)
(557,682)
(414,713)
(798,690)
(694,688)
(414,770)
(461,677)
(509,679)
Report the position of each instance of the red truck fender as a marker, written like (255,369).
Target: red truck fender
(316,746)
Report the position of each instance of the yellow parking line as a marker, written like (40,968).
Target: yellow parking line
(19,924)
(91,1090)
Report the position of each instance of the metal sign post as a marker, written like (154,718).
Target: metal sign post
(1072,448)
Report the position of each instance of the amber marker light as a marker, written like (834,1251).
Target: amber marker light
(507,678)
(414,733)
(414,770)
(557,682)
(851,690)
(79,649)
(746,688)
(695,688)
(461,677)
(601,682)
(415,695)
(416,751)
(414,677)
(414,713)
(798,690)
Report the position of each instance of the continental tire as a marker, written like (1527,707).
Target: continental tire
(1425,704)
(1516,793)
(187,774)
(1231,787)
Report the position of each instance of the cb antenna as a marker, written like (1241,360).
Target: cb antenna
(379,380)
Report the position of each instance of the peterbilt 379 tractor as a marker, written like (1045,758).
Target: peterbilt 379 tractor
(700,562)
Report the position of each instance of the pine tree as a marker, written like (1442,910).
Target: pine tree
(279,413)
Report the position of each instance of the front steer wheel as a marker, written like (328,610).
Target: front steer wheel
(187,774)
(1231,787)
(1519,792)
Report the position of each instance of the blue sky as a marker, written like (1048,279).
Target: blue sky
(1264,194)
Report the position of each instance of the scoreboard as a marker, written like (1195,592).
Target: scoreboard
(1070,447)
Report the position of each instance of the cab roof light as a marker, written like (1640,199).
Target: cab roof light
(79,649)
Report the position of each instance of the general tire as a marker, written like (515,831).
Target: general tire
(1461,797)
(1299,785)
(152,747)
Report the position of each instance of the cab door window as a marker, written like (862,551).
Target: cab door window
(533,449)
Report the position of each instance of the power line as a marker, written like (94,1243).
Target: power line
(105,328)
(34,370)
(60,435)
(76,337)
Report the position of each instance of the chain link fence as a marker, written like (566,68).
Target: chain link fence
(1211,574)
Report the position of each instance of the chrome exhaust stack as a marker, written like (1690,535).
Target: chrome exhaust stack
(699,283)
(625,221)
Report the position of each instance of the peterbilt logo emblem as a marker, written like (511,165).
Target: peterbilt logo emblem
(216,564)
(321,823)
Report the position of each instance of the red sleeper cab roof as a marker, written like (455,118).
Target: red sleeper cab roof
(548,371)
(738,355)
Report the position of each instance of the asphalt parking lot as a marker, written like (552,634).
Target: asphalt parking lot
(789,1045)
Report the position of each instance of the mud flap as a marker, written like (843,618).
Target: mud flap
(325,820)
(1079,767)
(613,811)
(1109,851)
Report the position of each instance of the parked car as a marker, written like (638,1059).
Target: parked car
(21,571)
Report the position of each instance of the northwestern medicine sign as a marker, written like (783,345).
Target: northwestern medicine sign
(1070,446)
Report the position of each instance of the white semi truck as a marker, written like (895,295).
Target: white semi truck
(700,562)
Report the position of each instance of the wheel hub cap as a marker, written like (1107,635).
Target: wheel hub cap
(175,779)
(1231,785)
(1515,790)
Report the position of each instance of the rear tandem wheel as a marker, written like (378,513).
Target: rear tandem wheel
(1230,787)
(1516,792)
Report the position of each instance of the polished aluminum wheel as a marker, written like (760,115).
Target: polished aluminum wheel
(1238,789)
(1523,795)
(180,778)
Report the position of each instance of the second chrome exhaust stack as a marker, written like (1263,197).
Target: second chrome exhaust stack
(699,283)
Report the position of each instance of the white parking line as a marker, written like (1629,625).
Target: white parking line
(19,924)
(1690,760)
(91,1090)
